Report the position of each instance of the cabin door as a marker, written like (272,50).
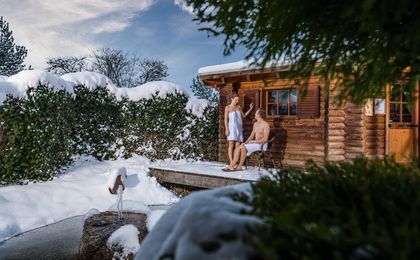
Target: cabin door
(402,127)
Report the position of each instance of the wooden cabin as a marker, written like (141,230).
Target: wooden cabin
(313,126)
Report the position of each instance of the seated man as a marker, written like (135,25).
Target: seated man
(259,135)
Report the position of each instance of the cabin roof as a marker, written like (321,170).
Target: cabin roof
(242,70)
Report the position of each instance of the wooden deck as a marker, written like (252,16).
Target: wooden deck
(204,175)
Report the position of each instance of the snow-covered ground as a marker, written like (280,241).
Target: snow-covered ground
(83,187)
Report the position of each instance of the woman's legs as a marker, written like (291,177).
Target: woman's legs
(231,148)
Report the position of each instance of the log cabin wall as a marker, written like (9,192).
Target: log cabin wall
(374,143)
(339,133)
(346,130)
(298,138)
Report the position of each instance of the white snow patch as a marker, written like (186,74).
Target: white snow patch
(126,240)
(153,217)
(18,84)
(90,213)
(89,79)
(147,90)
(197,106)
(33,78)
(211,169)
(3,78)
(201,218)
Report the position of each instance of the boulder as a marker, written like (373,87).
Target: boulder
(98,228)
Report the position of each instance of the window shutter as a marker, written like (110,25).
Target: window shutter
(309,104)
(251,96)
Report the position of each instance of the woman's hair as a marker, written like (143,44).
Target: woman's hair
(261,113)
(233,95)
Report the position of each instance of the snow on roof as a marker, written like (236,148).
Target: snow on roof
(197,106)
(241,65)
(18,84)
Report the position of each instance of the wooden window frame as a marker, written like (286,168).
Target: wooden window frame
(277,103)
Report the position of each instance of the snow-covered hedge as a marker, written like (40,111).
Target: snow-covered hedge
(45,120)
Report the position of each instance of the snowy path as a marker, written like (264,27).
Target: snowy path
(83,187)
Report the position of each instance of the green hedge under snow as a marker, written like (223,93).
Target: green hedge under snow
(41,133)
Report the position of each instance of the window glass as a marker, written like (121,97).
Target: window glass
(272,96)
(272,110)
(283,109)
(284,95)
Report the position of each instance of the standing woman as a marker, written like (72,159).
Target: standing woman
(233,124)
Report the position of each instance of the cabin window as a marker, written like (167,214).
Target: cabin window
(282,102)
(399,106)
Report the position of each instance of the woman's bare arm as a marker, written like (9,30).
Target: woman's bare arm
(226,120)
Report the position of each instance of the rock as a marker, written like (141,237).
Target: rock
(98,228)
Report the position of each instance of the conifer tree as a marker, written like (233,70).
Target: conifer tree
(11,55)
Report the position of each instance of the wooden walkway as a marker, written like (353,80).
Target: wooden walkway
(203,175)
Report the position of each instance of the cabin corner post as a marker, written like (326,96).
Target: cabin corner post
(326,115)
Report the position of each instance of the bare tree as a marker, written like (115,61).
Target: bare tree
(67,64)
(151,70)
(127,69)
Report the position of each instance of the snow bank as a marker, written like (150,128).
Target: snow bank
(199,225)
(126,240)
(236,66)
(147,90)
(3,78)
(197,106)
(89,79)
(18,84)
(82,188)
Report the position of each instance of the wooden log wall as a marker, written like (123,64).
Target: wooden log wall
(374,143)
(349,133)
(297,140)
(345,129)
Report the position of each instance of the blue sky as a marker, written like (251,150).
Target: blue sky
(153,28)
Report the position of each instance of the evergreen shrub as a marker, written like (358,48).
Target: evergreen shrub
(39,135)
(359,210)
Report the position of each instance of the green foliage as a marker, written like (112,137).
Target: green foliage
(36,135)
(154,125)
(202,135)
(39,135)
(359,210)
(366,44)
(98,122)
(203,92)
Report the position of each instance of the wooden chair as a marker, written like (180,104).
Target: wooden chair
(263,154)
